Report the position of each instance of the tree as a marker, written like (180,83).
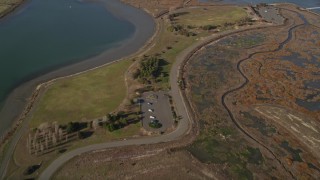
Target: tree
(120,114)
(208,27)
(72,127)
(123,122)
(155,125)
(149,68)
(111,127)
(111,117)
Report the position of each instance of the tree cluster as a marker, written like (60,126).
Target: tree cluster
(181,30)
(116,121)
(208,27)
(155,124)
(149,69)
(73,127)
(245,21)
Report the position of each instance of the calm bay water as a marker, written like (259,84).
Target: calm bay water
(46,34)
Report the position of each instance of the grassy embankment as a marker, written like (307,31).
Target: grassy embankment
(83,97)
(212,16)
(8,5)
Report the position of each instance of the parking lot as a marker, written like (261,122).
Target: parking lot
(271,14)
(155,106)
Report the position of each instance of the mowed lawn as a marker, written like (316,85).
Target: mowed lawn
(83,97)
(211,16)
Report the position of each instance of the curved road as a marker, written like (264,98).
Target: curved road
(181,129)
(184,124)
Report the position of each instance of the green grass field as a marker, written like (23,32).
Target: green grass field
(83,97)
(211,16)
(193,17)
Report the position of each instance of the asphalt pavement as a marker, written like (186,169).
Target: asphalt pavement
(156,107)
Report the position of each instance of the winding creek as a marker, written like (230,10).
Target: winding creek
(223,98)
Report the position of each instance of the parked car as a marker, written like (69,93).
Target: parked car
(150,110)
(152,117)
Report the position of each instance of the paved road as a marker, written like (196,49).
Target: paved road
(184,123)
(182,127)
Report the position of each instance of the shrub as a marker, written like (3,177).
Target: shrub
(155,125)
(149,69)
(72,127)
(111,127)
(208,27)
(171,28)
(123,121)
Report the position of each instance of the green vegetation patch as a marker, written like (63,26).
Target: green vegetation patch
(259,123)
(126,132)
(240,172)
(85,96)
(211,16)
(213,149)
(149,70)
(155,125)
(253,155)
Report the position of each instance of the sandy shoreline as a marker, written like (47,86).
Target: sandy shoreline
(144,24)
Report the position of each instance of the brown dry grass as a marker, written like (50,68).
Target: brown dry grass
(146,165)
